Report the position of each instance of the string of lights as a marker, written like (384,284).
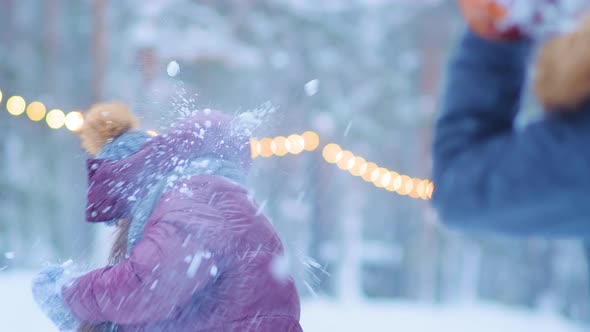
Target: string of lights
(379,176)
(281,145)
(266,147)
(37,111)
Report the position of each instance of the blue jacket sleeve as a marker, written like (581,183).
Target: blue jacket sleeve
(489,176)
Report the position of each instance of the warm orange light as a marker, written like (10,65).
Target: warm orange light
(359,166)
(254,148)
(152,133)
(409,185)
(390,185)
(406,185)
(295,144)
(414,192)
(279,146)
(375,174)
(397,183)
(311,140)
(265,150)
(36,111)
(429,190)
(368,174)
(421,189)
(377,177)
(331,153)
(344,161)
(364,165)
(386,179)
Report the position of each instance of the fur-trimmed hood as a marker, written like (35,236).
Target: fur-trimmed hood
(562,81)
(131,165)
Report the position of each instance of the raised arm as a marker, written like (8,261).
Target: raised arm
(490,176)
(162,273)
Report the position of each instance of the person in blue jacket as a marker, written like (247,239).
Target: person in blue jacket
(492,176)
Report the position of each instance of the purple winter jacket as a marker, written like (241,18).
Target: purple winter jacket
(205,258)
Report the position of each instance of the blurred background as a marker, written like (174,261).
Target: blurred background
(365,74)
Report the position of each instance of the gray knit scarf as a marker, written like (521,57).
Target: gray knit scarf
(144,207)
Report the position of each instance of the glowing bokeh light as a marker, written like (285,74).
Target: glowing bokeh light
(254,148)
(36,111)
(331,152)
(295,145)
(55,119)
(370,168)
(311,140)
(265,150)
(279,146)
(359,166)
(74,121)
(344,159)
(16,105)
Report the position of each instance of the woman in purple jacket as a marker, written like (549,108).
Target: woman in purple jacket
(199,253)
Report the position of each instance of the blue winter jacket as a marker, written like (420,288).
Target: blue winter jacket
(491,176)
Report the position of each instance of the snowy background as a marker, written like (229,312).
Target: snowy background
(320,315)
(364,74)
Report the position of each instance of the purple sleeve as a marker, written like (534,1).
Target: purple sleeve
(166,268)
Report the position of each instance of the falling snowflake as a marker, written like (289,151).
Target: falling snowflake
(194,265)
(154,284)
(173,68)
(312,87)
(214,271)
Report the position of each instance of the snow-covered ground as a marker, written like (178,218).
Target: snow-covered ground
(19,314)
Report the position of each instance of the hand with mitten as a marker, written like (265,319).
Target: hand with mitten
(47,294)
(515,19)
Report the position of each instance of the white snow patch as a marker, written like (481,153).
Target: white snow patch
(67,263)
(185,190)
(324,315)
(201,164)
(9,255)
(173,68)
(385,316)
(312,87)
(246,123)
